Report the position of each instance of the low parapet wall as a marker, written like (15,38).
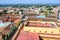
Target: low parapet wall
(42,19)
(48,31)
(17,32)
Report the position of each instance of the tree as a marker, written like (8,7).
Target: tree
(51,12)
(17,12)
(5,11)
(49,8)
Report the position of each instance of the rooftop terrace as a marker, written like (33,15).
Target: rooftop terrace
(36,24)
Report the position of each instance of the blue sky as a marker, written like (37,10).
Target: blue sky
(29,1)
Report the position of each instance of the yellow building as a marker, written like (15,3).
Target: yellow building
(47,33)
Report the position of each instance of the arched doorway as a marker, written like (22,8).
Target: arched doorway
(59,15)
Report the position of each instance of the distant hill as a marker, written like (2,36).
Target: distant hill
(27,5)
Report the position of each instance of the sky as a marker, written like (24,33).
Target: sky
(29,1)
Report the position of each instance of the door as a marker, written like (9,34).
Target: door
(59,15)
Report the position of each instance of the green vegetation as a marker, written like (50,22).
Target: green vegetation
(5,11)
(51,12)
(41,11)
(17,12)
(28,5)
(49,8)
